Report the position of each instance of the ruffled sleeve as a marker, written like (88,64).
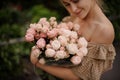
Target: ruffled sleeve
(101,51)
(99,59)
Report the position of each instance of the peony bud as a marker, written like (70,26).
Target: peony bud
(41,43)
(29,37)
(76,60)
(50,52)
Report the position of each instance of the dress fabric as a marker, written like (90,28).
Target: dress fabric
(99,59)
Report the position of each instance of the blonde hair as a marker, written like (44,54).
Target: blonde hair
(102,5)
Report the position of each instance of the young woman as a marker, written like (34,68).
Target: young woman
(98,31)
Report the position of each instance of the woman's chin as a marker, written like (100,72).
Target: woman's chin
(82,16)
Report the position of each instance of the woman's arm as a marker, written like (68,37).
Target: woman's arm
(60,72)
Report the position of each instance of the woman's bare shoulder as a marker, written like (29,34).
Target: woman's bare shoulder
(104,32)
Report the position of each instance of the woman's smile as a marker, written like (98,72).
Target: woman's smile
(78,12)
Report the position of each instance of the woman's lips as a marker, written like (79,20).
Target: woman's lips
(78,12)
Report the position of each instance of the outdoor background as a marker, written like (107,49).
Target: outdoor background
(15,17)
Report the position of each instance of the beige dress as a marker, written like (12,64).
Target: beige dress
(99,59)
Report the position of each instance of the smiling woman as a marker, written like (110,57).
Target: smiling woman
(82,5)
(98,31)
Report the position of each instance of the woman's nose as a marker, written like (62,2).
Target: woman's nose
(73,7)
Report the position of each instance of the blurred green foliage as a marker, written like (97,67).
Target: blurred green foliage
(40,11)
(15,17)
(14,23)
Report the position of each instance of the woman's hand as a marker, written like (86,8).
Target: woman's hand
(33,58)
(54,70)
(35,52)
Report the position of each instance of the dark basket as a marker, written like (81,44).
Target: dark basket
(61,62)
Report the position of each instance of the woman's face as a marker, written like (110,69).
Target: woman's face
(78,8)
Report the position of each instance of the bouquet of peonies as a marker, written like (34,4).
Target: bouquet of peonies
(56,44)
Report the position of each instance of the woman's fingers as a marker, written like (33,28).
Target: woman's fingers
(33,58)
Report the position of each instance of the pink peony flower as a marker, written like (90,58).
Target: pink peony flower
(42,20)
(64,32)
(53,33)
(43,35)
(63,25)
(79,53)
(83,50)
(34,47)
(76,60)
(35,51)
(53,24)
(72,48)
(47,24)
(42,61)
(41,43)
(52,19)
(48,46)
(60,55)
(37,36)
(58,26)
(76,27)
(73,40)
(29,37)
(33,26)
(62,48)
(45,29)
(55,44)
(62,40)
(31,31)
(38,27)
(82,42)
(50,52)
(70,25)
(73,35)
